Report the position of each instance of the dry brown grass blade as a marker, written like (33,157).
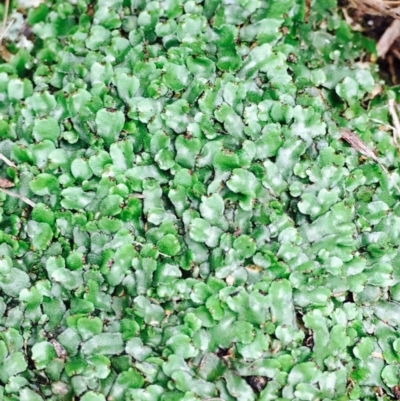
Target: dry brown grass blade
(5,16)
(358,144)
(3,32)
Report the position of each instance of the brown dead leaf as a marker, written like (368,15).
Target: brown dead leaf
(4,183)
(60,350)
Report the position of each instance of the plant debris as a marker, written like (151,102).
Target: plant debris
(356,143)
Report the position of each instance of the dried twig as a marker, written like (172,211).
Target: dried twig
(23,198)
(356,143)
(396,122)
(7,161)
(387,39)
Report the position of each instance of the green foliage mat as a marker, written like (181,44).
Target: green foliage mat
(200,230)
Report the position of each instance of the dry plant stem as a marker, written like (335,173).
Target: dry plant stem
(23,198)
(382,123)
(7,161)
(392,68)
(356,143)
(3,26)
(387,39)
(396,122)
